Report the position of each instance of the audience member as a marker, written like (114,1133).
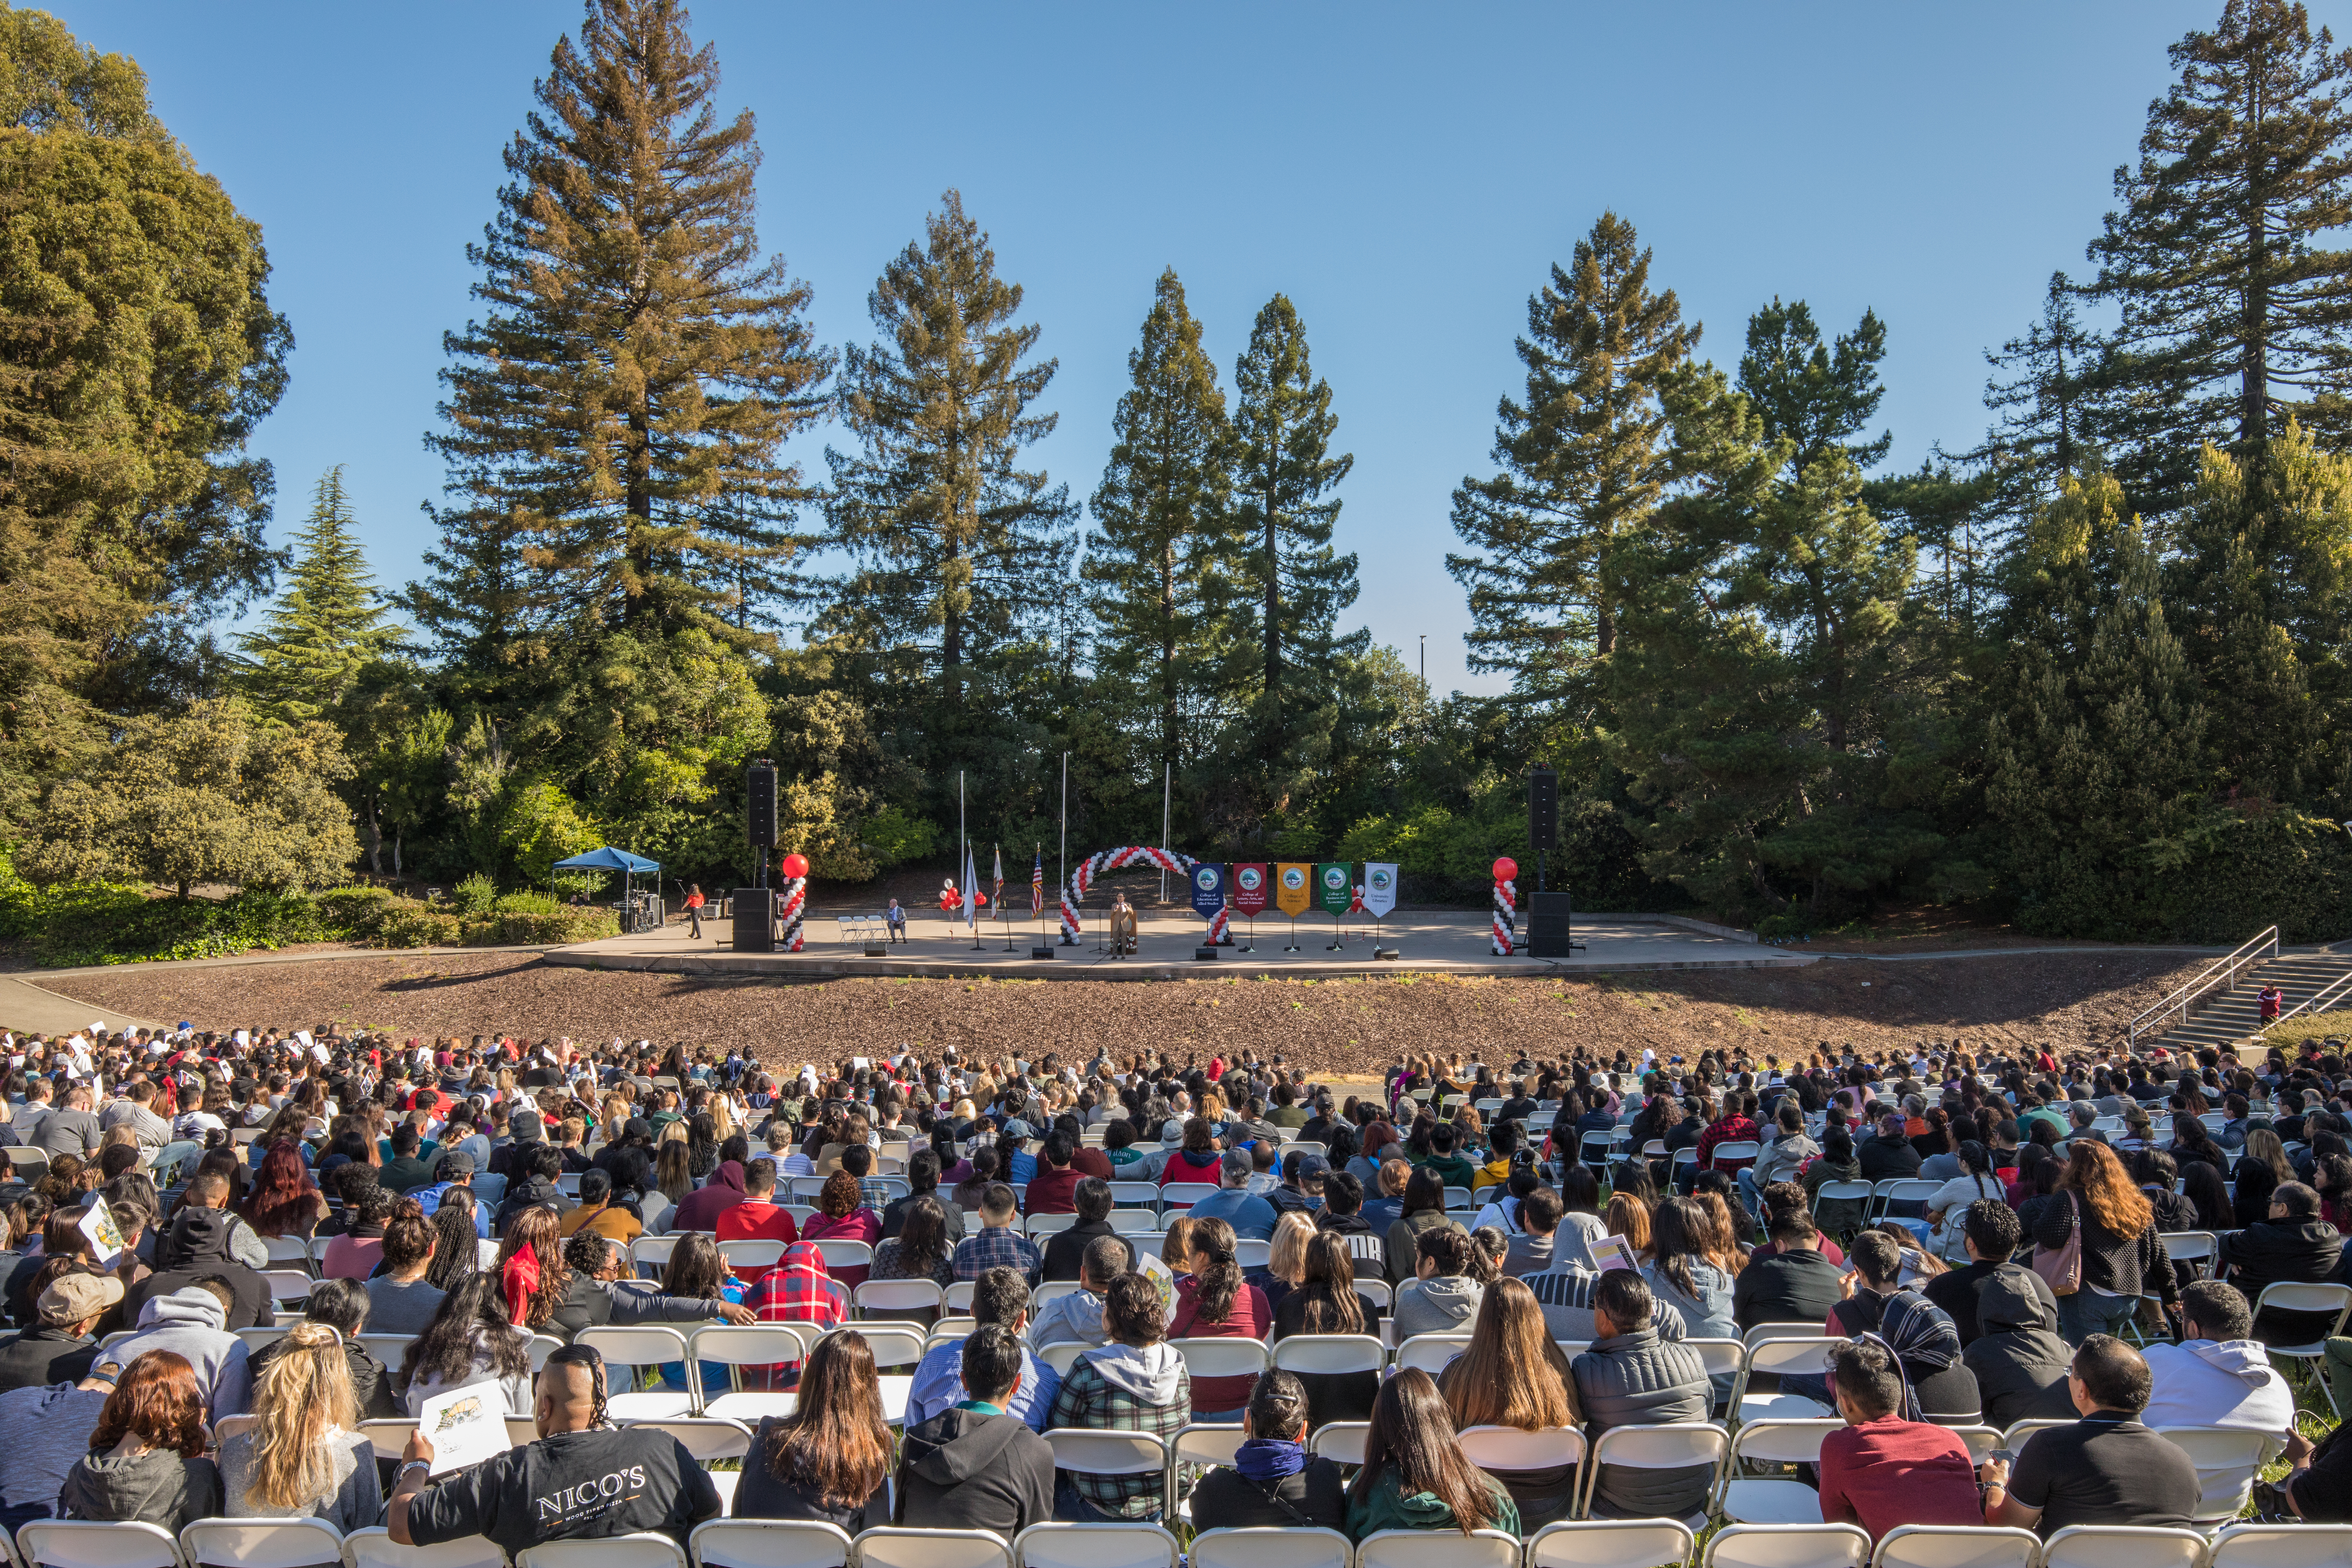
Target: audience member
(189,1323)
(1415,1476)
(2019,1363)
(146,1461)
(303,1456)
(2218,1375)
(1630,1375)
(996,1245)
(2292,1246)
(1134,1382)
(1990,1235)
(1213,1301)
(976,1465)
(1251,1216)
(1881,1470)
(2122,1257)
(1079,1314)
(1000,1297)
(1091,1200)
(469,1341)
(2108,1467)
(830,1458)
(1793,1284)
(1274,1483)
(62,1344)
(1512,1374)
(49,1427)
(1444,1295)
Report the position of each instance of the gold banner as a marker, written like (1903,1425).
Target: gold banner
(1294,888)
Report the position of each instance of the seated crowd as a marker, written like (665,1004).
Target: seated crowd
(472,1199)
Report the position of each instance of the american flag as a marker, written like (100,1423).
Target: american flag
(1038,884)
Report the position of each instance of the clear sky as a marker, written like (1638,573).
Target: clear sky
(1406,174)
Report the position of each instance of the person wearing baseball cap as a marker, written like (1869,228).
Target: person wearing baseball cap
(1301,1190)
(62,1346)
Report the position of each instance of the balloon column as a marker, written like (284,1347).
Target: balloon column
(1506,898)
(795,869)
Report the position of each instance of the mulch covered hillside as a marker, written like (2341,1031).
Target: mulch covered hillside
(1340,1026)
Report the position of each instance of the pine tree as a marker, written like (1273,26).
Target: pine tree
(1815,398)
(1295,583)
(2047,424)
(1583,460)
(1160,570)
(2235,311)
(959,553)
(614,425)
(326,627)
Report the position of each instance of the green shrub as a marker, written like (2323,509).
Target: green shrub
(527,929)
(355,911)
(476,895)
(412,924)
(528,904)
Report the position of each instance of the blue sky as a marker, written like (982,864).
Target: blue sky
(1405,174)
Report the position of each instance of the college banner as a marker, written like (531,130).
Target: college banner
(1249,890)
(1380,888)
(1208,890)
(1291,893)
(1334,887)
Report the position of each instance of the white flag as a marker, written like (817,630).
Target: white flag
(971,892)
(1380,888)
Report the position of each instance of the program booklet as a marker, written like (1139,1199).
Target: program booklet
(465,1426)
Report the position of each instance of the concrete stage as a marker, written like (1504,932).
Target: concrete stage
(1448,941)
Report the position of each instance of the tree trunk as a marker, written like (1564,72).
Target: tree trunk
(376,836)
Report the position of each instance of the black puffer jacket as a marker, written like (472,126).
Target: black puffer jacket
(2282,1251)
(2018,1358)
(1639,1379)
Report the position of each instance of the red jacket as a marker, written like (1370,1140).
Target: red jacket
(752,1220)
(1052,1191)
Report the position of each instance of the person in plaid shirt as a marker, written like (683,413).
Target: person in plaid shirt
(998,1245)
(873,1192)
(1135,1384)
(796,1290)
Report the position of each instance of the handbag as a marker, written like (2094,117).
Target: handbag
(2062,1270)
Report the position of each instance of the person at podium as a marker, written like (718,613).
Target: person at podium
(1122,926)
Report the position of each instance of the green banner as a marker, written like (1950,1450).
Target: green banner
(1335,887)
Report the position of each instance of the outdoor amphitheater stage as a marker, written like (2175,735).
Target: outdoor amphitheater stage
(1450,942)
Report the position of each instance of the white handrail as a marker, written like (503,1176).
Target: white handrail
(2181,999)
(2315,1003)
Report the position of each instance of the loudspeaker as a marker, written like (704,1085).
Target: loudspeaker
(755,919)
(1543,809)
(1551,923)
(759,803)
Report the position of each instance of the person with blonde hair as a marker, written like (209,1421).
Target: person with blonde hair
(303,1456)
(1287,1264)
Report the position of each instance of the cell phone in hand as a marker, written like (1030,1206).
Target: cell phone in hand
(2005,1456)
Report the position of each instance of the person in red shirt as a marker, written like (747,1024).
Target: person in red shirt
(758,1218)
(1883,1470)
(1055,1188)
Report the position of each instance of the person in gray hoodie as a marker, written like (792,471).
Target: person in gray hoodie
(192,1321)
(973,1466)
(2218,1374)
(1444,1297)
(146,1461)
(1079,1314)
(2021,1364)
(1782,1159)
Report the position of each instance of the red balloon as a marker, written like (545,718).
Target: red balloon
(795,864)
(1507,869)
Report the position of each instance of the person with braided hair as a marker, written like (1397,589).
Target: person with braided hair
(583,1479)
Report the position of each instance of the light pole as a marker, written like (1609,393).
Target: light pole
(1425,661)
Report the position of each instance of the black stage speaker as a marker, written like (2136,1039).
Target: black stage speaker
(1543,809)
(1550,925)
(759,803)
(755,918)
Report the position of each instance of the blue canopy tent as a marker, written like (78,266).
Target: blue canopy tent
(638,912)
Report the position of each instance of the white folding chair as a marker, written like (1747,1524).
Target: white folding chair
(1812,1545)
(2014,1438)
(769,1544)
(1341,1442)
(752,1252)
(390,1435)
(2123,1546)
(754,1345)
(2292,1298)
(1062,1355)
(93,1544)
(1508,1448)
(1051,1290)
(1438,1549)
(1775,1357)
(639,1548)
(1095,1546)
(950,1329)
(1290,1547)
(651,1254)
(1212,1356)
(2228,1460)
(1038,1225)
(1762,1331)
(1981,1442)
(288,1284)
(1956,1546)
(291,1249)
(842,1252)
(541,1347)
(2294,1545)
(1611,1543)
(1731,1152)
(1086,1451)
(1202,1443)
(1662,1445)
(634,1347)
(389,1349)
(1755,1500)
(890,1297)
(374,1548)
(959,1295)
(1328,1353)
(887,1546)
(1431,1352)
(1253,1254)
(1178,1197)
(270,1333)
(262,1543)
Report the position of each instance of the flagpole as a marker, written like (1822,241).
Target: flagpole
(1167,778)
(1063,879)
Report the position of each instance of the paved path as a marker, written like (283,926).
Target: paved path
(27,1006)
(2011,953)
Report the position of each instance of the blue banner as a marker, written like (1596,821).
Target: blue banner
(1208,890)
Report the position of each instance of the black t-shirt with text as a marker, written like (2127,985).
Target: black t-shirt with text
(574,1486)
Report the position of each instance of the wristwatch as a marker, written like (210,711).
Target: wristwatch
(425,1465)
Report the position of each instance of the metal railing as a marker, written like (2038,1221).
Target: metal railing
(2334,990)
(2222,972)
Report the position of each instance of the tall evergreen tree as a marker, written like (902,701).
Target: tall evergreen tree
(1583,460)
(960,553)
(1162,566)
(328,624)
(1284,470)
(1817,398)
(2235,308)
(2043,394)
(616,424)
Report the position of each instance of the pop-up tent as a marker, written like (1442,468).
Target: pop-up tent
(607,858)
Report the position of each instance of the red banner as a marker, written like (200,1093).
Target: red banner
(1251,886)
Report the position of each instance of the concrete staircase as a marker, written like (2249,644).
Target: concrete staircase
(2222,1019)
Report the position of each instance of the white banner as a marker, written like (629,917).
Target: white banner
(1380,888)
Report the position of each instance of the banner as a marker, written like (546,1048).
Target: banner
(1335,889)
(1249,890)
(1380,888)
(1291,895)
(1208,890)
